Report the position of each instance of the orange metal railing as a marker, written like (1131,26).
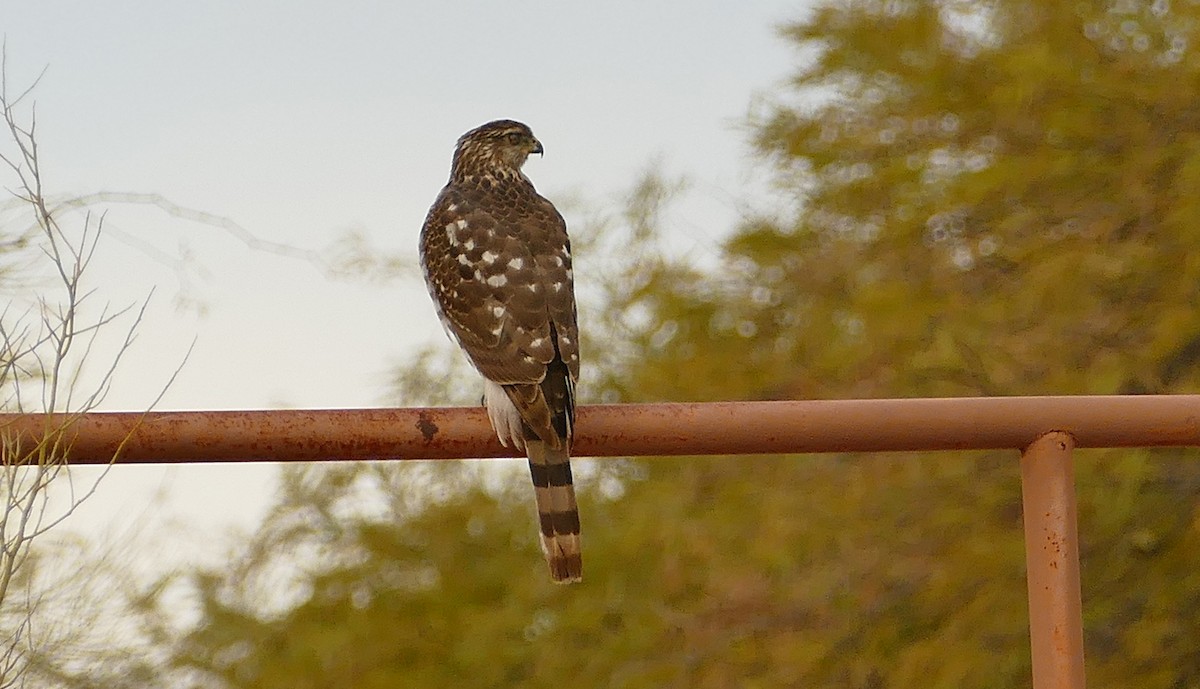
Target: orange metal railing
(1052,561)
(714,428)
(1045,430)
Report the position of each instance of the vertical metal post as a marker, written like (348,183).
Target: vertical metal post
(1052,562)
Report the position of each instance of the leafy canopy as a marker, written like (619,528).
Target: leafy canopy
(976,198)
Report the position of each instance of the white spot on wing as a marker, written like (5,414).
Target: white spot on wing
(490,257)
(498,311)
(516,263)
(557,287)
(462,258)
(450,236)
(469,244)
(496,280)
(462,224)
(558,262)
(537,342)
(452,207)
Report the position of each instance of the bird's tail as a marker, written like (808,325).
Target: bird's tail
(558,514)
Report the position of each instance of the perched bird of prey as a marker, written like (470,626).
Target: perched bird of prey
(497,262)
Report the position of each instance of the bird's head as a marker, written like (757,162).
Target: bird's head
(496,149)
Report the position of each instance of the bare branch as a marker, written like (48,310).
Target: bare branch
(47,344)
(229,225)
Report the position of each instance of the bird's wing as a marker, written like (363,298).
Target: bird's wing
(500,274)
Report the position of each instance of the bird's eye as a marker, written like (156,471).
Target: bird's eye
(514,137)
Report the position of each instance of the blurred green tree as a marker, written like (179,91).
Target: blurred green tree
(977,198)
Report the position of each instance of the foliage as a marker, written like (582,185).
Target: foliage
(982,198)
(1009,211)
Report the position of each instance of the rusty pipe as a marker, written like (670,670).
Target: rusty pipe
(1052,562)
(712,428)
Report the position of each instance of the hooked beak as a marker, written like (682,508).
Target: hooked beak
(537,147)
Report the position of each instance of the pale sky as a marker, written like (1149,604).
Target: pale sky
(300,120)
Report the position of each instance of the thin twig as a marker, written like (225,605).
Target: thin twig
(47,343)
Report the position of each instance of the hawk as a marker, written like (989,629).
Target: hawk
(497,261)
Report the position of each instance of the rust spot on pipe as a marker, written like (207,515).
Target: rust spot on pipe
(427,427)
